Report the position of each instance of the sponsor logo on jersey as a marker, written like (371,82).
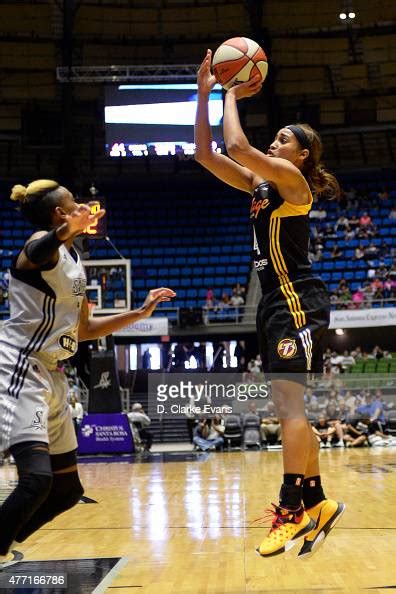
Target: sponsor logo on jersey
(104,382)
(68,343)
(79,285)
(258,205)
(260,264)
(38,422)
(287,348)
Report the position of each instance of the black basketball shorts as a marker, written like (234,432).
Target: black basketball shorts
(291,325)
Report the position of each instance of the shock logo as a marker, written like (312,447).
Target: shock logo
(287,348)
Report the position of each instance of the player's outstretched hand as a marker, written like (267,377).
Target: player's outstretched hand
(247,89)
(154,297)
(81,218)
(205,79)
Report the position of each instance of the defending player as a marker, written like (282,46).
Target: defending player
(293,314)
(49,315)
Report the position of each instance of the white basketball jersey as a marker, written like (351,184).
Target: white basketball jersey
(45,309)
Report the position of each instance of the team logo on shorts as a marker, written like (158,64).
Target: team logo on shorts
(287,348)
(68,343)
(38,422)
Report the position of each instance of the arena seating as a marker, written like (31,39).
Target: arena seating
(192,239)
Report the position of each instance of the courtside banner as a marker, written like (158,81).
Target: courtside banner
(363,318)
(105,434)
(149,327)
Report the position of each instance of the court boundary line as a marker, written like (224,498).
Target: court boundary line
(105,583)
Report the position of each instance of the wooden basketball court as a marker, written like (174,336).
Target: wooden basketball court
(181,523)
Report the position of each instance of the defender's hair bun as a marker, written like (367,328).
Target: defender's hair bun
(19,193)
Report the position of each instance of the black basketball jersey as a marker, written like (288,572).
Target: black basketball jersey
(280,244)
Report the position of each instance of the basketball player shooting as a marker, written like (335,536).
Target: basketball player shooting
(49,315)
(293,314)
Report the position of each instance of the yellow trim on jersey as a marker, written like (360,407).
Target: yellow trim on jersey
(287,209)
(280,267)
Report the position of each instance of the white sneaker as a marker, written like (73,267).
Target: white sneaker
(339,444)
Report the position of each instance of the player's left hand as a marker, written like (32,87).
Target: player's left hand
(155,297)
(247,89)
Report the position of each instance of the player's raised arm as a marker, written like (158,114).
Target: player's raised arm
(285,174)
(221,166)
(92,328)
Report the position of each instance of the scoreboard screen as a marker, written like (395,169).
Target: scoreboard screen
(99,229)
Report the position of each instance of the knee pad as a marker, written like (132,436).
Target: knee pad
(34,488)
(34,472)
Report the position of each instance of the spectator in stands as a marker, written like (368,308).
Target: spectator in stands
(350,404)
(270,429)
(358,298)
(359,252)
(336,252)
(332,395)
(381,272)
(349,234)
(354,438)
(342,224)
(311,401)
(146,359)
(371,251)
(210,298)
(357,353)
(318,213)
(378,353)
(239,290)
(375,409)
(392,213)
(236,301)
(180,356)
(389,288)
(329,232)
(208,434)
(377,287)
(199,352)
(344,297)
(141,421)
(368,294)
(316,256)
(77,412)
(224,303)
(323,431)
(347,360)
(354,221)
(366,224)
(327,355)
(240,355)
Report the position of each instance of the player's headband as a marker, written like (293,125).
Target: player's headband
(300,135)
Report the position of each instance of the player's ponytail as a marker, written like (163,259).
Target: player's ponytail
(38,201)
(323,184)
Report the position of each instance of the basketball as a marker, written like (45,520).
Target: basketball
(237,60)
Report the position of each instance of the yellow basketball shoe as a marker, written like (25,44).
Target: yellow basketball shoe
(287,527)
(326,515)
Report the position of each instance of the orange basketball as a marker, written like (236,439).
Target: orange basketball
(237,60)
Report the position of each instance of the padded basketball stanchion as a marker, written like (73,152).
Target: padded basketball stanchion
(104,386)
